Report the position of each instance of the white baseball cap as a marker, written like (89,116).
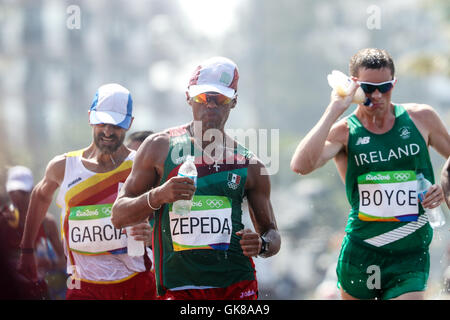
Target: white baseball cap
(19,178)
(216,74)
(112,104)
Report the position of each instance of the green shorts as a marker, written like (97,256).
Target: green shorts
(367,273)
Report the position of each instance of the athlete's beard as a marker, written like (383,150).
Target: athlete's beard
(108,149)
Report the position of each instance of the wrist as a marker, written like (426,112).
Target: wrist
(152,202)
(335,109)
(265,246)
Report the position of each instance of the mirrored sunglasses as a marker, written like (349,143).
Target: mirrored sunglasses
(205,98)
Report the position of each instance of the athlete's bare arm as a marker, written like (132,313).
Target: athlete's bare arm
(261,212)
(445,181)
(326,139)
(436,135)
(40,200)
(141,186)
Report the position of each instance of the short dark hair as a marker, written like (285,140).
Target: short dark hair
(371,58)
(139,136)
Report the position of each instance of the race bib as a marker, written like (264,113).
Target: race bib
(208,226)
(91,231)
(388,196)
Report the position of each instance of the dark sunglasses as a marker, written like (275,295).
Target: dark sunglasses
(383,87)
(205,98)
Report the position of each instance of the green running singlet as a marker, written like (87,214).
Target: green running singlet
(381,186)
(201,250)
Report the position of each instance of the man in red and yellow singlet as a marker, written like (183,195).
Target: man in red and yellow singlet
(89,181)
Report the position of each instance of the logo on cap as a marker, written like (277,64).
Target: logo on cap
(225,78)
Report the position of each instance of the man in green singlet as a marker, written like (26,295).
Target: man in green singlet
(206,254)
(379,151)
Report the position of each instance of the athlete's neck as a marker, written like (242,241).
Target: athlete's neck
(377,120)
(214,142)
(204,136)
(99,161)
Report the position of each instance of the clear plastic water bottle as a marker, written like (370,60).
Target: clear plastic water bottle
(435,216)
(187,169)
(135,248)
(341,83)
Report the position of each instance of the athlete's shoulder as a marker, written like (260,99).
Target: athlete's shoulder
(75,153)
(421,113)
(418,109)
(339,131)
(157,140)
(257,174)
(57,162)
(154,148)
(177,131)
(56,169)
(341,124)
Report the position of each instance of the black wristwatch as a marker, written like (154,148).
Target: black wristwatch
(264,246)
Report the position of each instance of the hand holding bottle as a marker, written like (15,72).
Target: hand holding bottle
(431,197)
(344,86)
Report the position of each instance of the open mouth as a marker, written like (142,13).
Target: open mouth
(108,142)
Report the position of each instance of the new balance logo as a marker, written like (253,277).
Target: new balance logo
(363,140)
(73,182)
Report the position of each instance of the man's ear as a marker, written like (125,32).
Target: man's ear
(233,103)
(131,122)
(188,99)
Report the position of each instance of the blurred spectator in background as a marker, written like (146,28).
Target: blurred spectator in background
(8,277)
(49,251)
(135,139)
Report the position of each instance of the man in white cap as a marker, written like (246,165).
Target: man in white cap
(88,181)
(206,254)
(19,185)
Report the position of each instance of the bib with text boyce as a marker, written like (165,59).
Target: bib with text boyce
(208,226)
(92,232)
(388,196)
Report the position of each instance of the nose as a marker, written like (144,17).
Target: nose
(376,94)
(212,103)
(108,130)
